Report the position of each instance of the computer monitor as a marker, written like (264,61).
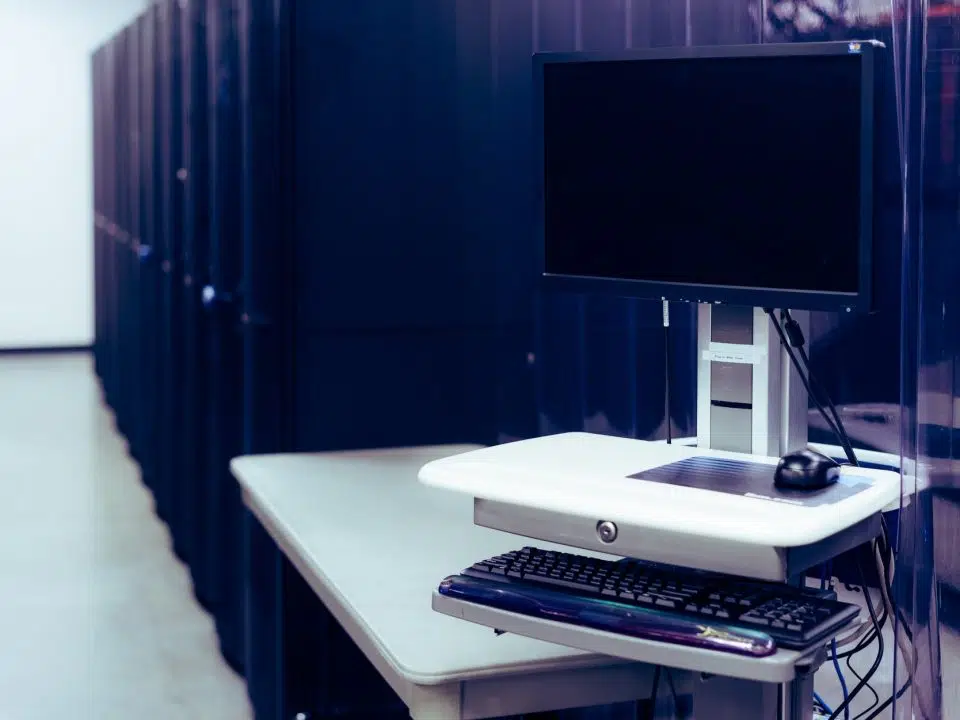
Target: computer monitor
(739,175)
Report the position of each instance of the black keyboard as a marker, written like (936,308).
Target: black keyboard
(795,618)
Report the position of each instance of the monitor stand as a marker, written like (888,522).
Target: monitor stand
(750,398)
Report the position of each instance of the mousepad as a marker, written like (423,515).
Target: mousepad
(747,479)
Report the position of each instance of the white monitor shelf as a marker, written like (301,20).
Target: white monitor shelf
(667,503)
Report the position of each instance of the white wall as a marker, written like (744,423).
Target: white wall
(46,186)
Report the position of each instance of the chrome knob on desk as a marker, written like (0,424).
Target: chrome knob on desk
(606,531)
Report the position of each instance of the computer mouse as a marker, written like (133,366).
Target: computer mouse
(806,470)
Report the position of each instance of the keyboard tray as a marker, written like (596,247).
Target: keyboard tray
(778,668)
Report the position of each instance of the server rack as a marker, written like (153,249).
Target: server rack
(267,320)
(121,235)
(398,336)
(99,169)
(224,376)
(135,331)
(170,255)
(193,437)
(109,191)
(149,267)
(131,235)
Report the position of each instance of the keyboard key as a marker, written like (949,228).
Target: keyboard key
(559,583)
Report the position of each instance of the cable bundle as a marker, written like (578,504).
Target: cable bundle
(881,554)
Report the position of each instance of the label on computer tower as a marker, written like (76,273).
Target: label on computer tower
(731,353)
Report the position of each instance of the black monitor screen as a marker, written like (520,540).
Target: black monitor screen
(738,172)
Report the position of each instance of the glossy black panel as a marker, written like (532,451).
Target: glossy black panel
(193,428)
(224,372)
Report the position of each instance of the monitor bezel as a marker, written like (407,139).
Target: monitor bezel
(798,299)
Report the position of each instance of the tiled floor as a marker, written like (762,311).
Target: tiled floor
(97,618)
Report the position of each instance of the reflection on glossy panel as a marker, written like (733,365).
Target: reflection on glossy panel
(734,22)
(935,528)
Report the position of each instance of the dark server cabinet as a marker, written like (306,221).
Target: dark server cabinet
(130,110)
(118,110)
(224,377)
(402,328)
(149,265)
(109,223)
(99,170)
(141,428)
(267,321)
(170,177)
(118,198)
(396,306)
(124,89)
(193,430)
(599,362)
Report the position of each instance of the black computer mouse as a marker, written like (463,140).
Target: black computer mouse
(806,470)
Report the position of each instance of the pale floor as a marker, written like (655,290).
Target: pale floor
(97,618)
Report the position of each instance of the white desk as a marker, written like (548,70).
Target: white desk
(328,512)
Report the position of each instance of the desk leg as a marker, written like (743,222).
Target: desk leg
(796,698)
(436,702)
(721,698)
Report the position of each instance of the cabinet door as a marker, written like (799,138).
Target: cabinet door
(193,429)
(224,378)
(130,108)
(148,285)
(170,250)
(99,287)
(267,321)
